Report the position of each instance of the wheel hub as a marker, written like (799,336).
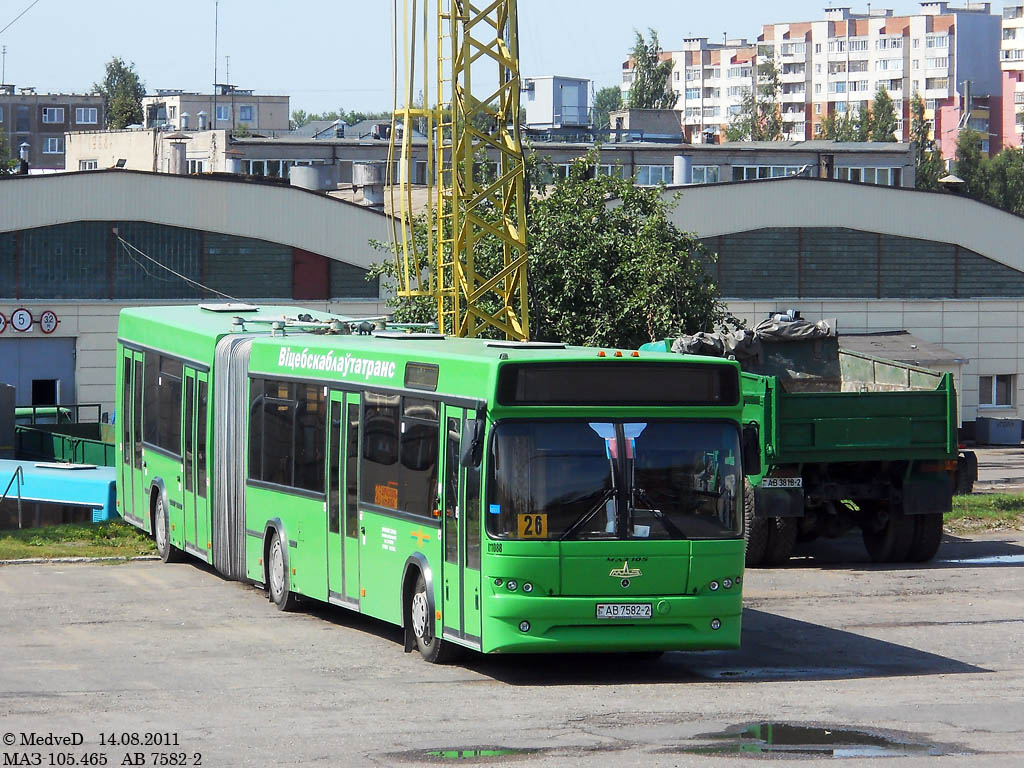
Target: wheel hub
(419,615)
(276,568)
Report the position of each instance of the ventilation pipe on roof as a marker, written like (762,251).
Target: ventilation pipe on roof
(682,170)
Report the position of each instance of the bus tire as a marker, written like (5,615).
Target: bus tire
(891,541)
(277,576)
(756,529)
(162,530)
(927,537)
(781,540)
(432,648)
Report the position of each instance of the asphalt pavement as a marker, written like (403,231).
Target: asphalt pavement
(920,662)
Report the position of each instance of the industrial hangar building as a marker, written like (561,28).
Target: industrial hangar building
(945,268)
(65,273)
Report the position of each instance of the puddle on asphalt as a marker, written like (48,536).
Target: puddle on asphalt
(993,560)
(476,754)
(767,739)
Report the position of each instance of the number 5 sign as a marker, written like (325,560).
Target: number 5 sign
(21,319)
(48,321)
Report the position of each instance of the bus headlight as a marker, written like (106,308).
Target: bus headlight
(524,626)
(727,583)
(713,586)
(512,585)
(527,587)
(716,624)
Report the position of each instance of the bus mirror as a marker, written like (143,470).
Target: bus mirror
(472,443)
(751,449)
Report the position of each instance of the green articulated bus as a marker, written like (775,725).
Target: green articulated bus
(499,496)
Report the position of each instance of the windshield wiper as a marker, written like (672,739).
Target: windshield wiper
(589,515)
(660,516)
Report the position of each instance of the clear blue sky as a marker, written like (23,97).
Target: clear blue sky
(336,53)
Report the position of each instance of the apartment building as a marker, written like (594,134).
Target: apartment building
(228,108)
(1011,62)
(834,66)
(37,122)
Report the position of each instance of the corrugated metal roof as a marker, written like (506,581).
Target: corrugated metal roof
(901,346)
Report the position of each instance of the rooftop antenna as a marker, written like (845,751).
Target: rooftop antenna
(3,69)
(227,75)
(216,33)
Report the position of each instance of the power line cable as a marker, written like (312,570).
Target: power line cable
(33,5)
(129,248)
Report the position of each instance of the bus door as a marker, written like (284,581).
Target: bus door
(461,569)
(133,501)
(194,463)
(350,499)
(335,478)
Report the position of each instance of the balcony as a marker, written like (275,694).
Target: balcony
(799,97)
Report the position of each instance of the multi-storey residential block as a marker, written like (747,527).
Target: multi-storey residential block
(1011,60)
(835,66)
(40,120)
(227,108)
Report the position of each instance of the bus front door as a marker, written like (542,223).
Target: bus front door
(462,536)
(342,514)
(452,504)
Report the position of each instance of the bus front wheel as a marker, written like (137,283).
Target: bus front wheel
(277,576)
(432,648)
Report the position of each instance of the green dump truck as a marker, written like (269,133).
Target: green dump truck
(848,441)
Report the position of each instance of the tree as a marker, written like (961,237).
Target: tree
(8,163)
(760,115)
(882,119)
(123,91)
(650,87)
(299,118)
(972,165)
(1006,180)
(612,275)
(927,160)
(606,101)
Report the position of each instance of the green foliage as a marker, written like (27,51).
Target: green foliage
(300,117)
(650,87)
(606,101)
(882,118)
(986,511)
(850,126)
(123,91)
(928,160)
(972,165)
(1006,180)
(241,132)
(760,115)
(601,274)
(8,163)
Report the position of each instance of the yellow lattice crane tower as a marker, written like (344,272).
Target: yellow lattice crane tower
(468,56)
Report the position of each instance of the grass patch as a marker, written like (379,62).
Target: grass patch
(987,510)
(114,538)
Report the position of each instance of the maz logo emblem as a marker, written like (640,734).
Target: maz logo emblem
(625,572)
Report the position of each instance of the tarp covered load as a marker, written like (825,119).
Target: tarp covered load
(802,354)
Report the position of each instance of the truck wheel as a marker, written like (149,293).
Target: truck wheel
(756,529)
(890,541)
(431,647)
(927,537)
(781,541)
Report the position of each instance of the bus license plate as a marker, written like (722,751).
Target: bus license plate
(782,482)
(623,610)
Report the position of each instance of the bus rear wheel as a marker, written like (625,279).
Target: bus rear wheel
(277,576)
(432,648)
(162,531)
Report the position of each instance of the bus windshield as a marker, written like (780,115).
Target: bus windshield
(575,480)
